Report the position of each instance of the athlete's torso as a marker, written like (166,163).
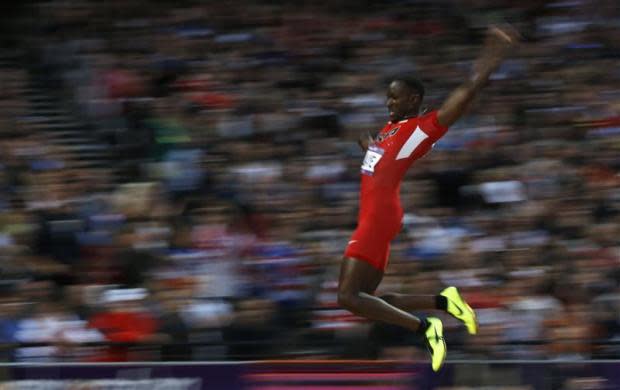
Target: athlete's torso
(387,160)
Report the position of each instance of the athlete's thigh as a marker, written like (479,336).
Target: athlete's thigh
(359,276)
(370,242)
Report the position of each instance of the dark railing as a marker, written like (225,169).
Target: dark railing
(317,374)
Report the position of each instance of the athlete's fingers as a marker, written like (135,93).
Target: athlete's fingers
(508,33)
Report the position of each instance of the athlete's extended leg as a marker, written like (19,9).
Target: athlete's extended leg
(412,302)
(449,300)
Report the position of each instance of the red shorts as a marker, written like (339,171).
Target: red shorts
(370,242)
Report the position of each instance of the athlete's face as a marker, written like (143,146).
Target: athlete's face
(402,101)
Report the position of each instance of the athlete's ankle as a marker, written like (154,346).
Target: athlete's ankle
(423,326)
(441,302)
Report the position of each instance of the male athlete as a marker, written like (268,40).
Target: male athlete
(407,137)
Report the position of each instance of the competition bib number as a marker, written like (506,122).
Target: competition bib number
(373,155)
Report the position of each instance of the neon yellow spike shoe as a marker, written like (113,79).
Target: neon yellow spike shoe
(460,310)
(435,342)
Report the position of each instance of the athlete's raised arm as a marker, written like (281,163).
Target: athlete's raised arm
(498,45)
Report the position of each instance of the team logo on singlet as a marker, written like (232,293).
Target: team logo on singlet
(390,133)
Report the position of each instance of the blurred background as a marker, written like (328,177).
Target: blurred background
(179,180)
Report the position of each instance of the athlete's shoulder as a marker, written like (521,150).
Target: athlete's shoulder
(428,122)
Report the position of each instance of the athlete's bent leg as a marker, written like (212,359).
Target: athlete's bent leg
(358,281)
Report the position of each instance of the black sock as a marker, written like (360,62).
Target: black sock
(441,302)
(423,326)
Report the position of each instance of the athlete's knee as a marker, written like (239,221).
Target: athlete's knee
(349,300)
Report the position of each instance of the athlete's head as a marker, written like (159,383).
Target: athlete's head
(404,96)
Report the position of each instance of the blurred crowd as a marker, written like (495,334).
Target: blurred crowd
(212,226)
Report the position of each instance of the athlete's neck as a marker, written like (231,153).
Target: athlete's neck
(406,117)
(409,116)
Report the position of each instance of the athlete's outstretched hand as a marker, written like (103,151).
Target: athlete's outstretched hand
(498,44)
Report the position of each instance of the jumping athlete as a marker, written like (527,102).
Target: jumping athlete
(407,137)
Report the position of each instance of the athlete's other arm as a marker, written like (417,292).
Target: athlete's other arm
(497,46)
(365,140)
